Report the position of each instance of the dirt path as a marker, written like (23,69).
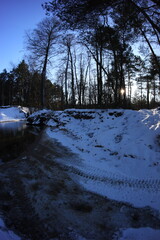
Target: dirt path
(40,200)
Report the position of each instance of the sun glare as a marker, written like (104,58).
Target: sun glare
(122,91)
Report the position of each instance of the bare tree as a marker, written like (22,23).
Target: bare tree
(67,44)
(40,43)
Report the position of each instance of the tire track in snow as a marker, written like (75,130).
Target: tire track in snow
(152,185)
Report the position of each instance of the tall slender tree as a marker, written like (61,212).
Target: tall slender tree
(40,42)
(3,79)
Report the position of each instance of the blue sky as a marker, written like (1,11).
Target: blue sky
(16,17)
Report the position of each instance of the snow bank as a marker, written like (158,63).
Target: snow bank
(140,234)
(123,141)
(6,234)
(40,117)
(119,151)
(9,114)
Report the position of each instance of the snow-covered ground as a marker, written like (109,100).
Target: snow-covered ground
(140,234)
(6,234)
(119,152)
(10,114)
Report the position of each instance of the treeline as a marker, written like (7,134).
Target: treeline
(98,62)
(21,87)
(108,68)
(126,81)
(91,47)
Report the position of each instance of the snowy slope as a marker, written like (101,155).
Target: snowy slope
(117,156)
(120,152)
(6,234)
(9,114)
(140,234)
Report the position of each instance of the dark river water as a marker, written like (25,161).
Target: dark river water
(15,138)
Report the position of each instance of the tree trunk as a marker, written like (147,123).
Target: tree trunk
(99,75)
(147,93)
(66,80)
(154,55)
(43,79)
(116,85)
(72,78)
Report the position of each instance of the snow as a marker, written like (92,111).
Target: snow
(40,112)
(40,117)
(6,234)
(140,234)
(10,114)
(115,146)
(119,152)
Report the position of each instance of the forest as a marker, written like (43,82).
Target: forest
(86,53)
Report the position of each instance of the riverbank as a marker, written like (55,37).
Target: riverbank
(96,173)
(13,114)
(41,198)
(118,147)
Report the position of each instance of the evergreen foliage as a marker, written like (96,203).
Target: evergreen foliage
(21,86)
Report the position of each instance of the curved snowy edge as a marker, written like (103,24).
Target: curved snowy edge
(100,138)
(13,114)
(138,234)
(122,234)
(6,234)
(138,197)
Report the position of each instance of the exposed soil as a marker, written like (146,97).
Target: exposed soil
(40,200)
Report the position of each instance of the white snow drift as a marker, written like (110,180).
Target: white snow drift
(10,114)
(120,152)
